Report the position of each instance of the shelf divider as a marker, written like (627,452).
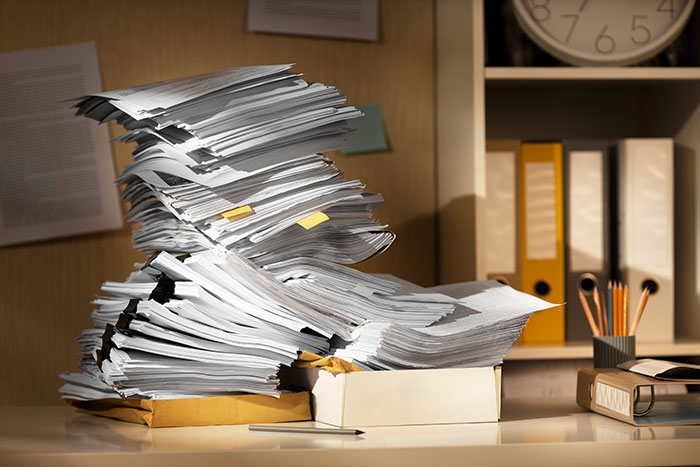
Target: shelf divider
(591,73)
(574,350)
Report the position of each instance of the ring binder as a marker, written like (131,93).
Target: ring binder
(617,393)
(637,397)
(587,283)
(542,238)
(589,237)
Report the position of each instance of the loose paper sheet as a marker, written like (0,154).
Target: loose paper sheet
(56,171)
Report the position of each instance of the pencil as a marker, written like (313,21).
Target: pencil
(610,308)
(625,304)
(616,304)
(598,311)
(282,428)
(640,309)
(619,308)
(604,328)
(589,315)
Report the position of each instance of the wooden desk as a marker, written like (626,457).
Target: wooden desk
(533,432)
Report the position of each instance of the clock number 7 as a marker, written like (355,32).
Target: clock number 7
(605,43)
(574,18)
(644,35)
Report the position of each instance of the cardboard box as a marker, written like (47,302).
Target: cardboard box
(403,397)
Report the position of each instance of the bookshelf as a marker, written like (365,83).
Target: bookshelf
(475,103)
(646,74)
(576,350)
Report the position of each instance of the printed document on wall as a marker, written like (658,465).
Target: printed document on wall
(56,171)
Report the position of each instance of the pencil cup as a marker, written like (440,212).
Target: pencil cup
(608,351)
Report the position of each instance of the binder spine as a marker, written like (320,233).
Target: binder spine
(542,237)
(503,211)
(588,229)
(646,231)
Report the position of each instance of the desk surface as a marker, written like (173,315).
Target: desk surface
(533,432)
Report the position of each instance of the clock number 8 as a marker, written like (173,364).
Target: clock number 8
(540,10)
(605,43)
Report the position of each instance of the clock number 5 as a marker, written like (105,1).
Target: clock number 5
(640,34)
(605,43)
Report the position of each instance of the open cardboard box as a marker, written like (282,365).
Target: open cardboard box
(402,397)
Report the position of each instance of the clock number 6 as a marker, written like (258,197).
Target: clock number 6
(640,34)
(605,43)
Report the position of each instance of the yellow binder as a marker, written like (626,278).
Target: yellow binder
(542,238)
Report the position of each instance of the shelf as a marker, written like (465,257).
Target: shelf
(573,350)
(586,74)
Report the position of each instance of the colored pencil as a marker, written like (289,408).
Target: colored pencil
(599,312)
(605,328)
(614,303)
(625,304)
(640,309)
(609,301)
(618,303)
(589,315)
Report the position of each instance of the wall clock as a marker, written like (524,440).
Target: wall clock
(603,32)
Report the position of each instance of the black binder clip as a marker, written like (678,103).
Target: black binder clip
(164,290)
(125,318)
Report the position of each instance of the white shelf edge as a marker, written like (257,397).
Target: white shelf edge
(591,73)
(679,348)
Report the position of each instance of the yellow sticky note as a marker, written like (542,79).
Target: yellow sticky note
(238,213)
(312,220)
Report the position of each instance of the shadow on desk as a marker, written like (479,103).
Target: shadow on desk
(514,409)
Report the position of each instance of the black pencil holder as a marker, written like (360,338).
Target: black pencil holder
(608,351)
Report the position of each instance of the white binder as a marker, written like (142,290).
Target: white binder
(588,232)
(646,231)
(502,211)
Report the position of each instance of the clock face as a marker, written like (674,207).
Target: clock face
(603,32)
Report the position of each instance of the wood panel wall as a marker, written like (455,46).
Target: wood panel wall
(46,287)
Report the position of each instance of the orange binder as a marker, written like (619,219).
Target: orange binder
(542,238)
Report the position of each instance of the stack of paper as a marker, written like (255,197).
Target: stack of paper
(480,332)
(250,226)
(227,170)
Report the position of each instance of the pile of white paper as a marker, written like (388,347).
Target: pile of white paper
(250,226)
(489,318)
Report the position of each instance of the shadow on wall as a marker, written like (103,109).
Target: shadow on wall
(457,248)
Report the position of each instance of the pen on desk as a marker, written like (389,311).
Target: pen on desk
(608,299)
(599,312)
(589,316)
(640,309)
(305,429)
